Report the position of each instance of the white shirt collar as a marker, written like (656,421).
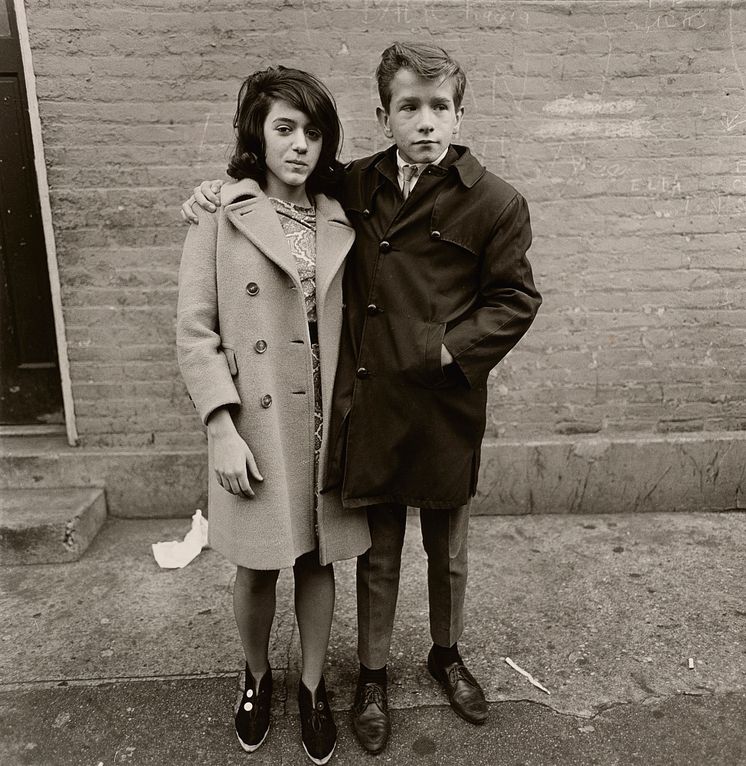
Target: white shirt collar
(400,163)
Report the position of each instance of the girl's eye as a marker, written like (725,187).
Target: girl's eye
(283,129)
(314,135)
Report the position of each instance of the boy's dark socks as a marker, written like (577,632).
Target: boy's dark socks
(369,676)
(445,655)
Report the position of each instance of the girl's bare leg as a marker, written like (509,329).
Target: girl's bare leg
(314,608)
(254,609)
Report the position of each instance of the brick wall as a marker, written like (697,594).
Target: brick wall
(623,123)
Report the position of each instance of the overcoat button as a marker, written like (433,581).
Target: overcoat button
(434,235)
(385,246)
(260,346)
(373,310)
(266,401)
(252,288)
(362,373)
(366,213)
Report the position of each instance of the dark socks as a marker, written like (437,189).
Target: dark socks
(445,655)
(368,676)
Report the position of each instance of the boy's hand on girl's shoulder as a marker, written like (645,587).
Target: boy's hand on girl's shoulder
(206,195)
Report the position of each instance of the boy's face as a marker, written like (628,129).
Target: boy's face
(422,118)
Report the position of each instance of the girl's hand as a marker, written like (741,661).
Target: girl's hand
(233,461)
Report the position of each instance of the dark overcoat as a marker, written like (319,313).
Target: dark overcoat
(446,266)
(243,342)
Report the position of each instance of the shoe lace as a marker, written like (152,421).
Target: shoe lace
(372,693)
(318,716)
(458,672)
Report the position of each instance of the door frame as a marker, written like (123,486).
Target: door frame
(46,217)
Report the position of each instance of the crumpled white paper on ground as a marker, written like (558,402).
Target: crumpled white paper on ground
(177,554)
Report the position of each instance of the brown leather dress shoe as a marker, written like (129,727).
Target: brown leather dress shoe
(370,716)
(464,693)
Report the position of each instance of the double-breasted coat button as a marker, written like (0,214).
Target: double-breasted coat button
(366,213)
(260,346)
(435,235)
(373,309)
(385,246)
(266,401)
(252,288)
(362,373)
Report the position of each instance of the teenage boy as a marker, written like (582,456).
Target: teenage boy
(438,290)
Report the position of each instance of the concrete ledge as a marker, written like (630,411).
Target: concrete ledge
(685,472)
(48,526)
(573,474)
(153,483)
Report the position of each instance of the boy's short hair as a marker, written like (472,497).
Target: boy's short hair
(306,93)
(428,61)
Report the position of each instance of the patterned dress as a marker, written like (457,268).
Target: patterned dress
(299,225)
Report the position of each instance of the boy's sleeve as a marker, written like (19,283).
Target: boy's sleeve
(508,299)
(202,362)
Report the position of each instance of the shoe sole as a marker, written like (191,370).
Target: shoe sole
(475,721)
(319,761)
(251,748)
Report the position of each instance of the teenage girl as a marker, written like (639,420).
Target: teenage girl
(258,328)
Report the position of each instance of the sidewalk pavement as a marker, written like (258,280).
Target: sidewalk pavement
(111,660)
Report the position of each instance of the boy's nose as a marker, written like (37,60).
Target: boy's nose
(427,124)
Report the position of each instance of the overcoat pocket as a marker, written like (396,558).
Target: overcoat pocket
(230,356)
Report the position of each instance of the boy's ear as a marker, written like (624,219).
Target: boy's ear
(459,117)
(383,121)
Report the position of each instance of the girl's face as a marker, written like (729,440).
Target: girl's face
(292,149)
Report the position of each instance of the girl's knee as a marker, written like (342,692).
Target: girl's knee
(256,580)
(309,562)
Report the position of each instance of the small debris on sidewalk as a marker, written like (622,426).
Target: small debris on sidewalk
(177,554)
(691,663)
(527,675)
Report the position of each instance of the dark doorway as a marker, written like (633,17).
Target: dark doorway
(30,389)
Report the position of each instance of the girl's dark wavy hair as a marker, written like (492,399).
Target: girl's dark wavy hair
(303,91)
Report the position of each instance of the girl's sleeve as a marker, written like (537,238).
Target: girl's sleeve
(202,362)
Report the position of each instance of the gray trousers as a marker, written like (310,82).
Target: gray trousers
(444,537)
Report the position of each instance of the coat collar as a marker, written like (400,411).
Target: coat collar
(458,157)
(250,211)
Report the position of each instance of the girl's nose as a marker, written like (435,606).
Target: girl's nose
(299,141)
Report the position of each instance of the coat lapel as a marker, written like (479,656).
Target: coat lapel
(334,238)
(252,214)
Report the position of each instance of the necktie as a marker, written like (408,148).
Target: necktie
(409,172)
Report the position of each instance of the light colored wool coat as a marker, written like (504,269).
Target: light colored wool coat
(243,341)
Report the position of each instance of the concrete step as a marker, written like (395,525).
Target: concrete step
(49,526)
(140,483)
